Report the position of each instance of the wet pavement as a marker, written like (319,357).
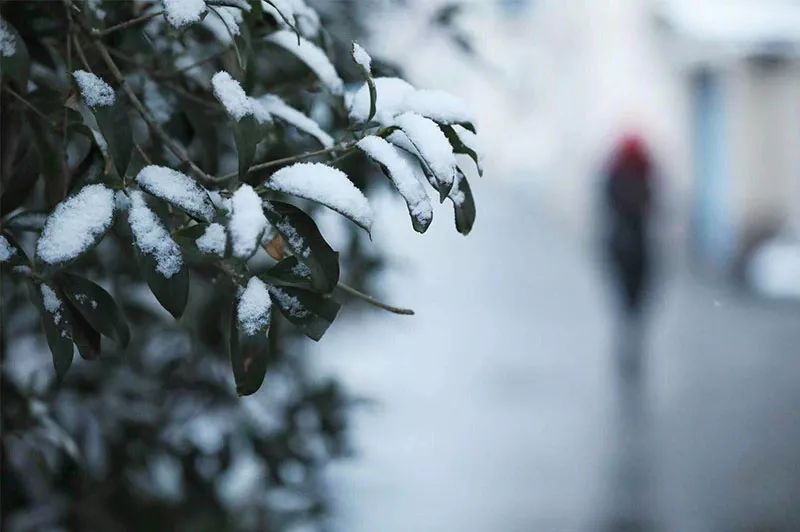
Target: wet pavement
(501,404)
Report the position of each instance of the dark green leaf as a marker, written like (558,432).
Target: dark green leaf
(311,312)
(460,147)
(463,204)
(247,133)
(373,97)
(97,307)
(85,337)
(172,293)
(290,272)
(17,65)
(115,126)
(306,242)
(248,353)
(57,330)
(51,162)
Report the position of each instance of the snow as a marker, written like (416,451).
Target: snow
(83,298)
(8,43)
(52,303)
(402,175)
(238,104)
(391,93)
(297,11)
(326,185)
(180,13)
(301,270)
(254,307)
(431,144)
(296,242)
(289,303)
(176,188)
(276,106)
(456,194)
(213,240)
(470,140)
(437,105)
(247,222)
(94,91)
(6,249)
(152,238)
(224,23)
(219,201)
(312,56)
(361,57)
(75,224)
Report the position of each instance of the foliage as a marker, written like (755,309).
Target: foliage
(170,156)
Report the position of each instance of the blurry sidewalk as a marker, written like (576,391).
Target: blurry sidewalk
(499,406)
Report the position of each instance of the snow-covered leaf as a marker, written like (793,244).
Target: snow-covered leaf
(182,13)
(432,146)
(463,204)
(178,189)
(311,312)
(439,106)
(56,325)
(254,307)
(313,57)
(389,98)
(76,225)
(14,59)
(213,241)
(464,141)
(275,106)
(326,185)
(97,307)
(247,222)
(402,175)
(290,272)
(115,126)
(305,241)
(246,323)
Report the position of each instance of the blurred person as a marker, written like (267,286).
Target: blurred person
(627,205)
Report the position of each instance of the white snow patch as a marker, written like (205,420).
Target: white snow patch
(8,43)
(152,238)
(362,58)
(401,174)
(52,303)
(238,104)
(75,224)
(326,185)
(176,188)
(276,106)
(219,201)
(213,240)
(391,93)
(84,299)
(94,91)
(312,56)
(456,194)
(301,270)
(431,144)
(180,13)
(289,303)
(254,307)
(296,242)
(437,105)
(247,222)
(6,249)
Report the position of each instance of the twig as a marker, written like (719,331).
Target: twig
(291,159)
(126,24)
(27,104)
(142,153)
(374,302)
(81,53)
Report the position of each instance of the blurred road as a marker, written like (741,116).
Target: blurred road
(499,405)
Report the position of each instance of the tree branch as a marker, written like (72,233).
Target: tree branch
(374,302)
(293,158)
(126,24)
(27,104)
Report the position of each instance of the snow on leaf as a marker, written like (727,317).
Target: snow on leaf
(176,188)
(237,104)
(362,58)
(52,303)
(391,95)
(288,12)
(437,105)
(6,249)
(152,238)
(289,303)
(76,224)
(310,54)
(213,240)
(402,175)
(247,222)
(276,106)
(326,185)
(180,13)
(94,91)
(253,310)
(431,144)
(8,43)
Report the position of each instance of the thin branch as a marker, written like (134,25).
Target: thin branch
(126,24)
(28,104)
(374,302)
(81,53)
(142,153)
(291,159)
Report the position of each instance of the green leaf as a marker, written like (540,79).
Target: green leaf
(373,98)
(290,272)
(247,133)
(249,354)
(172,293)
(463,204)
(460,147)
(17,65)
(304,239)
(83,334)
(52,162)
(97,307)
(57,330)
(114,124)
(311,312)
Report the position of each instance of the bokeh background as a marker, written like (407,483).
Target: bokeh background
(499,406)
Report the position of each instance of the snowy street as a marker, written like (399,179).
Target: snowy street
(499,406)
